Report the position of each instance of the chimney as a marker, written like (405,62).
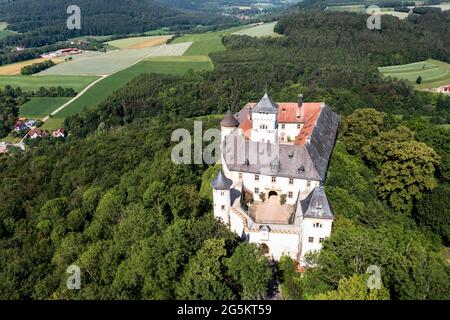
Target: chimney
(300,100)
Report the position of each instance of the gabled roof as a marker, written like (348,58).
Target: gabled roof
(316,205)
(229,120)
(266,105)
(220,182)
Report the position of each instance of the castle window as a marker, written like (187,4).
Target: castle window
(299,126)
(256,177)
(291,181)
(290,194)
(257,190)
(283,126)
(274,179)
(223,208)
(317,225)
(240,175)
(308,184)
(222,193)
(321,240)
(310,239)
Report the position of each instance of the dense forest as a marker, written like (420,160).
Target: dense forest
(109,199)
(47,23)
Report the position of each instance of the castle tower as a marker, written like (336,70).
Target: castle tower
(265,123)
(228,125)
(221,197)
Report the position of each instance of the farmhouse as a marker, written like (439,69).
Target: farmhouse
(59,133)
(20,126)
(274,163)
(37,133)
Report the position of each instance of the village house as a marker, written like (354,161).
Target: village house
(277,199)
(59,133)
(37,133)
(20,126)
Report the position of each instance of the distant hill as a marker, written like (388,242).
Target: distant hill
(382,3)
(47,18)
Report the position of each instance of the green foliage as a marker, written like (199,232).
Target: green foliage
(250,269)
(203,278)
(433,211)
(208,176)
(355,288)
(36,67)
(419,80)
(361,127)
(290,281)
(262,196)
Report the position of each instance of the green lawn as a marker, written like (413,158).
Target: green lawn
(434,73)
(53,123)
(38,108)
(30,83)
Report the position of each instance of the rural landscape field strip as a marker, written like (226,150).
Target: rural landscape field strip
(39,108)
(262,30)
(433,73)
(15,68)
(139,42)
(32,83)
(108,63)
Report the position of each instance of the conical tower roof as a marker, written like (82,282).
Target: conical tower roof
(220,182)
(229,120)
(266,105)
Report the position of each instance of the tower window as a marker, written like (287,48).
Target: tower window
(283,126)
(321,240)
(222,193)
(308,184)
(299,126)
(222,207)
(256,177)
(290,194)
(310,239)
(256,190)
(291,181)
(274,179)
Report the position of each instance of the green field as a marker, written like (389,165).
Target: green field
(103,89)
(38,108)
(205,43)
(263,30)
(53,123)
(434,73)
(30,83)
(3,32)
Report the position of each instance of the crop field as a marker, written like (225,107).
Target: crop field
(139,42)
(434,73)
(15,68)
(53,123)
(32,83)
(96,63)
(38,108)
(205,43)
(263,30)
(104,88)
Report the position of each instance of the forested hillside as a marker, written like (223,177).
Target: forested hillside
(109,199)
(43,22)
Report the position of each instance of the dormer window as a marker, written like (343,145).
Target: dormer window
(301,169)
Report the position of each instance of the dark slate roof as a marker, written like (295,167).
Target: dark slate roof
(322,140)
(316,205)
(290,159)
(220,182)
(229,120)
(266,105)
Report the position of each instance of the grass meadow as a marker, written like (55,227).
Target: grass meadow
(38,108)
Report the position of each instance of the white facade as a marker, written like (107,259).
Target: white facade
(288,132)
(313,233)
(222,202)
(265,127)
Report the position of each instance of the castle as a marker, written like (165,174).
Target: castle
(274,162)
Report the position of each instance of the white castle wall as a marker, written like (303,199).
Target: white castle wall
(308,230)
(290,130)
(279,243)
